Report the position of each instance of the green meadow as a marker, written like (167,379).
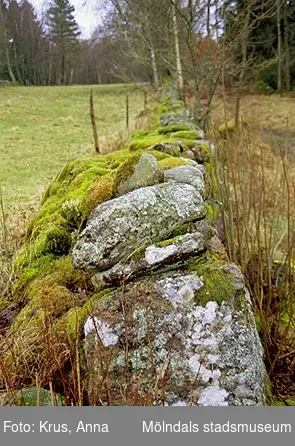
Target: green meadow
(42,128)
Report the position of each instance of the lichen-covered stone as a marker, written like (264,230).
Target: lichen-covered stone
(138,171)
(122,225)
(153,257)
(188,175)
(175,350)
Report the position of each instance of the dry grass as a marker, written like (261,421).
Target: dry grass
(271,119)
(256,173)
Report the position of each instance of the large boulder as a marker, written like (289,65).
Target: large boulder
(139,171)
(167,340)
(122,225)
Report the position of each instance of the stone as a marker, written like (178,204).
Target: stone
(147,215)
(153,257)
(202,150)
(144,172)
(188,175)
(181,117)
(173,148)
(181,351)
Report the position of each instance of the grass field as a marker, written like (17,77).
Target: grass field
(41,128)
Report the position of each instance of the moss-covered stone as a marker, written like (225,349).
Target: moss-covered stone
(218,284)
(143,143)
(98,192)
(137,171)
(168,163)
(173,128)
(187,134)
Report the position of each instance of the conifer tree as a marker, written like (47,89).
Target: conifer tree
(63,34)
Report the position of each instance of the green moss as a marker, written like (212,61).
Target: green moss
(183,229)
(168,163)
(55,240)
(213,211)
(148,141)
(170,128)
(143,133)
(205,151)
(71,213)
(167,242)
(37,268)
(167,105)
(218,284)
(74,319)
(159,155)
(212,188)
(125,170)
(114,159)
(97,193)
(286,402)
(186,134)
(185,143)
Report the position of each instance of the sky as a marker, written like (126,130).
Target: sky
(86,14)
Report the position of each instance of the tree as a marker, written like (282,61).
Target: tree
(63,34)
(5,40)
(180,82)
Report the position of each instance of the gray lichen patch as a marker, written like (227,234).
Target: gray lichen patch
(179,289)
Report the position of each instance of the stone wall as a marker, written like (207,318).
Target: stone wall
(178,329)
(123,260)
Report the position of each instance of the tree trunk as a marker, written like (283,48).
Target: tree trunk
(6,48)
(63,69)
(208,21)
(176,48)
(50,67)
(244,39)
(154,68)
(72,75)
(279,85)
(10,72)
(286,49)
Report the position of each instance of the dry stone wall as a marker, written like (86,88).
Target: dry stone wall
(122,269)
(178,328)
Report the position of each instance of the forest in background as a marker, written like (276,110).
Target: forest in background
(242,43)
